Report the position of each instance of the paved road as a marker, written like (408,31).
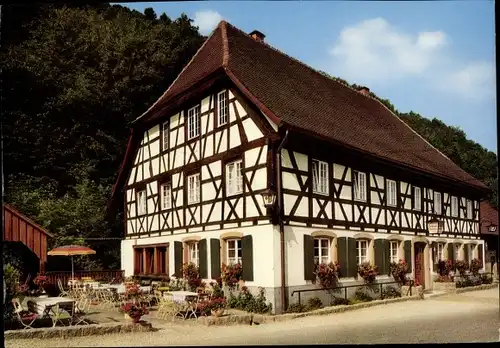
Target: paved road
(468,317)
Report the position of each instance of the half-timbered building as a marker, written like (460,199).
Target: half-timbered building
(244,123)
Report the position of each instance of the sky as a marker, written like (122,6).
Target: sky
(435,58)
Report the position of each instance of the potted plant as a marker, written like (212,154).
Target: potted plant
(327,275)
(462,267)
(368,272)
(232,274)
(133,291)
(399,270)
(133,311)
(217,306)
(191,273)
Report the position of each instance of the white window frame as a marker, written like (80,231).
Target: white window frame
(392,193)
(232,244)
(193,122)
(417,198)
(194,252)
(141,202)
(234,178)
(222,108)
(456,250)
(394,250)
(454,206)
(166,196)
(438,207)
(362,244)
(165,136)
(319,249)
(320,177)
(193,187)
(359,190)
(470,209)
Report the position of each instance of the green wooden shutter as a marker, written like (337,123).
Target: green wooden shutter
(451,251)
(203,266)
(342,255)
(379,255)
(215,258)
(352,266)
(407,248)
(308,257)
(178,259)
(387,256)
(480,253)
(247,257)
(466,253)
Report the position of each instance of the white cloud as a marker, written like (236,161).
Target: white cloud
(373,52)
(206,20)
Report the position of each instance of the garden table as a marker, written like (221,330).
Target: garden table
(45,306)
(120,288)
(180,296)
(188,300)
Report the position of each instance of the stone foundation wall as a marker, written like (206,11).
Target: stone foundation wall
(444,286)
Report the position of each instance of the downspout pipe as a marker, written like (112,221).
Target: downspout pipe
(280,218)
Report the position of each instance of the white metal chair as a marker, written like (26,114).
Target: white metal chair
(26,318)
(63,293)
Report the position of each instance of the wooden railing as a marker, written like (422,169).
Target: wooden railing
(95,275)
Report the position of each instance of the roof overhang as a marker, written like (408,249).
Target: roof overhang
(14,211)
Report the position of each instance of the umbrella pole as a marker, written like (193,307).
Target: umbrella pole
(72,270)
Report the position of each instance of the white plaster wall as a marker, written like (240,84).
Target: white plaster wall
(265,248)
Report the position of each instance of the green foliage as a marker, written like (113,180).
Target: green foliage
(390,292)
(246,301)
(337,301)
(361,296)
(314,303)
(11,276)
(77,75)
(296,308)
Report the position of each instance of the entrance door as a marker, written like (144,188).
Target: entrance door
(419,263)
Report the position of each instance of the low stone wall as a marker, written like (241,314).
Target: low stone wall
(444,286)
(76,331)
(416,291)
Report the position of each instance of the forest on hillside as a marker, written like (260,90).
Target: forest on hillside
(73,79)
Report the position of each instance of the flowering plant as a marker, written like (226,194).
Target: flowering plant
(132,290)
(134,310)
(368,272)
(231,274)
(461,266)
(40,280)
(444,267)
(214,304)
(398,270)
(327,274)
(475,266)
(191,273)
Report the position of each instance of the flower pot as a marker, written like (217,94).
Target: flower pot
(129,318)
(217,312)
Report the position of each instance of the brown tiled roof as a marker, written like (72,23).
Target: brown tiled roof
(489,216)
(294,94)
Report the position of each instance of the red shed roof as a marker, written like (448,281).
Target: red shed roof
(13,211)
(294,94)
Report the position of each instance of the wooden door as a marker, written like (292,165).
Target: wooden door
(419,264)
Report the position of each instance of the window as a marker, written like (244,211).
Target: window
(457,251)
(362,251)
(193,122)
(437,202)
(166,196)
(320,177)
(394,248)
(391,193)
(222,108)
(164,138)
(417,198)
(454,206)
(193,253)
(141,202)
(359,185)
(469,209)
(322,250)
(233,251)
(234,180)
(193,188)
(440,251)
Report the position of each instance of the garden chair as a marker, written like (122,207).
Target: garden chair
(192,306)
(26,318)
(63,293)
(168,307)
(82,308)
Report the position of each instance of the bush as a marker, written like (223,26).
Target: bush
(232,274)
(327,275)
(475,266)
(444,267)
(368,272)
(11,276)
(485,279)
(398,270)
(337,301)
(247,302)
(361,296)
(314,303)
(390,292)
(191,273)
(444,279)
(296,308)
(461,266)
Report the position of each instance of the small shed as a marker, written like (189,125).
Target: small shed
(19,228)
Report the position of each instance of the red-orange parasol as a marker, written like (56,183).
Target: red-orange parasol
(71,250)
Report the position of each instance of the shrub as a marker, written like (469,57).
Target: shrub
(134,310)
(485,279)
(314,303)
(337,301)
(475,266)
(231,274)
(327,275)
(206,307)
(390,292)
(368,272)
(191,274)
(247,302)
(444,267)
(398,270)
(217,291)
(11,276)
(362,296)
(296,308)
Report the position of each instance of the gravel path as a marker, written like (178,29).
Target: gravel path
(468,317)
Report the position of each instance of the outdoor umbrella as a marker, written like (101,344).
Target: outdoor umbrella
(71,250)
